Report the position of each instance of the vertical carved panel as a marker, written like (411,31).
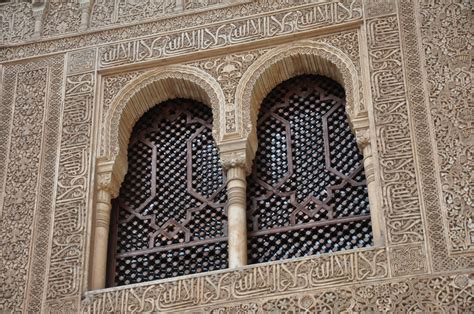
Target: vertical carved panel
(66,266)
(458,215)
(109,12)
(400,195)
(447,43)
(32,98)
(43,216)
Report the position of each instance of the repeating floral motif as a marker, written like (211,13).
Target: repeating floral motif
(16,22)
(228,71)
(323,14)
(61,17)
(447,41)
(32,97)
(51,225)
(422,133)
(118,12)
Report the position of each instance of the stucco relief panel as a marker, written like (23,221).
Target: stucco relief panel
(400,195)
(119,12)
(30,105)
(398,107)
(255,281)
(71,213)
(16,22)
(61,17)
(447,44)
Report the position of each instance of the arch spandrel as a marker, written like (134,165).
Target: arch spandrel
(285,62)
(140,95)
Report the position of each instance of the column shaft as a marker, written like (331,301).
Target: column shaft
(373,198)
(237,222)
(101,237)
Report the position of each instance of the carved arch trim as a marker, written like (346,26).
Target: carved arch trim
(285,62)
(140,95)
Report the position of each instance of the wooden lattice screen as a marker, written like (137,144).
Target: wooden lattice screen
(170,215)
(307,193)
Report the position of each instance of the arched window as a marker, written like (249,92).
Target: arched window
(307,193)
(169,218)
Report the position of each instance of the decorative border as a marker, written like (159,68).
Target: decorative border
(424,138)
(400,103)
(319,15)
(32,98)
(254,281)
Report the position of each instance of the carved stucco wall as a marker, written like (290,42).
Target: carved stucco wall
(414,63)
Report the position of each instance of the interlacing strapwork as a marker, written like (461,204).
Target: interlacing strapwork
(171,217)
(307,194)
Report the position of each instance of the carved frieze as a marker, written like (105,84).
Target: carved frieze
(257,281)
(229,33)
(61,17)
(169,42)
(424,295)
(448,294)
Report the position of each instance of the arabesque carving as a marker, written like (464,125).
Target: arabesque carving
(258,281)
(447,41)
(114,12)
(418,67)
(61,17)
(170,42)
(400,194)
(423,135)
(31,95)
(16,22)
(424,295)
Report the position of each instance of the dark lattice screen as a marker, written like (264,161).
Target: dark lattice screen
(170,215)
(307,193)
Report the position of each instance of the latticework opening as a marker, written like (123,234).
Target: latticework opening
(169,219)
(307,194)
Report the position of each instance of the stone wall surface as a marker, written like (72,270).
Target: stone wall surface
(66,68)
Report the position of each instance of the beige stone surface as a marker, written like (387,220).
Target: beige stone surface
(76,75)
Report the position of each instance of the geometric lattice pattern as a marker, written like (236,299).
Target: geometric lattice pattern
(170,215)
(307,193)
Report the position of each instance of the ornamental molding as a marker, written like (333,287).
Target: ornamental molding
(417,70)
(258,22)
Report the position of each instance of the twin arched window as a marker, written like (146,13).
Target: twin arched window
(306,195)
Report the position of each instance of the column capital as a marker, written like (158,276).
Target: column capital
(106,180)
(235,154)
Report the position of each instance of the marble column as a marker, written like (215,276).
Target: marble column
(101,236)
(375,210)
(237,222)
